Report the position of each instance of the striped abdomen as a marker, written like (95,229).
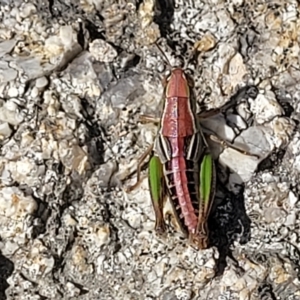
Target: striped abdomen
(180,142)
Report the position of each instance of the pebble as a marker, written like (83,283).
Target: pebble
(5,131)
(41,83)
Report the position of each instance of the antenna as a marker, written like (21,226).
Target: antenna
(164,55)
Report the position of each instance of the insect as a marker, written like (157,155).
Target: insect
(181,166)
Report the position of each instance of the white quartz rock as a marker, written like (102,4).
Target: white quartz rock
(14,204)
(239,163)
(9,113)
(7,74)
(282,129)
(5,131)
(102,51)
(265,107)
(253,141)
(7,46)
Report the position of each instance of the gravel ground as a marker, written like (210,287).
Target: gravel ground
(74,78)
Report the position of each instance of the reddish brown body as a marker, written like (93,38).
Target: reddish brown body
(181,167)
(177,124)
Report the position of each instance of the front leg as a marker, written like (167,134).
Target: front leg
(139,168)
(143,118)
(149,119)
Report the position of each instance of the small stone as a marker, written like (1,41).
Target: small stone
(80,160)
(27,10)
(254,141)
(291,219)
(41,83)
(283,129)
(14,204)
(102,235)
(183,293)
(265,107)
(5,131)
(34,92)
(13,92)
(236,71)
(72,290)
(278,274)
(206,43)
(9,248)
(243,165)
(273,214)
(133,218)
(292,200)
(7,46)
(102,51)
(148,35)
(67,36)
(7,74)
(9,113)
(146,12)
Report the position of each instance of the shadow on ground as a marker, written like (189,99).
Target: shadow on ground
(6,269)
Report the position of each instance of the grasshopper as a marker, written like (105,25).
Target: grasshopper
(181,166)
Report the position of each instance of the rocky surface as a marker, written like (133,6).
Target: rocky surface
(74,78)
